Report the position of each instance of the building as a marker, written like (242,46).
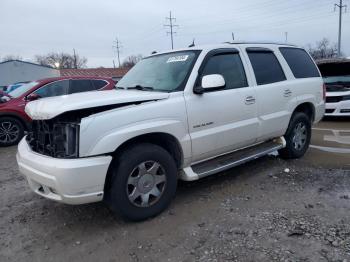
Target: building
(115,73)
(15,71)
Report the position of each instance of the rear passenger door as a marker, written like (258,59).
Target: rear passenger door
(274,93)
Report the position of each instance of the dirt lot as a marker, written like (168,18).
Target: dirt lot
(256,212)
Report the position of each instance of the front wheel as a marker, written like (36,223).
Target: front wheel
(297,137)
(144,182)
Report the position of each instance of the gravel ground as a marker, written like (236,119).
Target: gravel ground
(256,212)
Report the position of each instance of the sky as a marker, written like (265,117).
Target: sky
(32,27)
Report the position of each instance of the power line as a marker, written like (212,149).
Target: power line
(171,25)
(340,6)
(117,45)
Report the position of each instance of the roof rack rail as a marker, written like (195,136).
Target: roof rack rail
(259,42)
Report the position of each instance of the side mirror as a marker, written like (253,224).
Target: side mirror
(211,83)
(32,97)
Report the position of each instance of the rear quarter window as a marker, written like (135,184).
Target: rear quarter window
(299,62)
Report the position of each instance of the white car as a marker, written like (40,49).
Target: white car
(182,114)
(338,95)
(336,75)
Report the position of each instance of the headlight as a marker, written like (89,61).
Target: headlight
(55,138)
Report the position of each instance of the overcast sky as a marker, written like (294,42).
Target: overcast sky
(30,27)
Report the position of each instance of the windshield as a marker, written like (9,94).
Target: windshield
(165,72)
(22,89)
(337,80)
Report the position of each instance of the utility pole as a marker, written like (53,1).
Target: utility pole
(340,6)
(117,45)
(171,25)
(75,59)
(233,36)
(286,35)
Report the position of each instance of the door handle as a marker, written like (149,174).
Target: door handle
(250,100)
(287,93)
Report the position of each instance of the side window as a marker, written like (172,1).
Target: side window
(78,86)
(266,66)
(98,84)
(230,66)
(299,62)
(58,88)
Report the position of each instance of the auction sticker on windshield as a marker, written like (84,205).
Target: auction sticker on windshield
(180,58)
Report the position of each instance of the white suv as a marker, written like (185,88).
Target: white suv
(183,114)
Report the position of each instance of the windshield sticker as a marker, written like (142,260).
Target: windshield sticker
(180,58)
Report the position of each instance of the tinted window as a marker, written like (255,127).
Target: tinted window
(78,86)
(266,67)
(230,67)
(98,84)
(53,89)
(299,62)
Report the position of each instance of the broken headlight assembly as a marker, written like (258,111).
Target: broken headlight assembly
(55,138)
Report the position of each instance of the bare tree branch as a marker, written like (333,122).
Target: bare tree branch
(323,49)
(61,60)
(132,60)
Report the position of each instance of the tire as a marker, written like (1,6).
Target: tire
(135,175)
(297,137)
(11,131)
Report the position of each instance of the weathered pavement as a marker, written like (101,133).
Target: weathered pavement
(256,212)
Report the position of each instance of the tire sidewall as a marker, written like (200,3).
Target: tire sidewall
(20,134)
(122,168)
(296,119)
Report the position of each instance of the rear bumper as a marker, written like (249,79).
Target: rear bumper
(71,181)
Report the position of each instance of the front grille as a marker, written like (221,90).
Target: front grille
(333,99)
(54,138)
(345,111)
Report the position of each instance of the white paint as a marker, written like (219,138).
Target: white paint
(205,126)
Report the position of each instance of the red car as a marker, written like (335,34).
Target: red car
(13,119)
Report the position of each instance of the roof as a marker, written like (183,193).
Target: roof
(26,62)
(51,79)
(225,45)
(100,72)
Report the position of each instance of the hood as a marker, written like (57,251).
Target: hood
(51,107)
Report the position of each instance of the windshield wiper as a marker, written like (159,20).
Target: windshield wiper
(140,87)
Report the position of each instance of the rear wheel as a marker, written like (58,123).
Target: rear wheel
(11,131)
(297,136)
(144,182)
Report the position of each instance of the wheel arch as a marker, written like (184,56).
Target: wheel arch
(25,124)
(308,108)
(164,140)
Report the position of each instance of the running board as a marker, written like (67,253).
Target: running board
(230,160)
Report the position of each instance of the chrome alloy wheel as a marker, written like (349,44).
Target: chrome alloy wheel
(9,132)
(146,184)
(300,136)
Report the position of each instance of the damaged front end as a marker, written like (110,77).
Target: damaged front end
(58,138)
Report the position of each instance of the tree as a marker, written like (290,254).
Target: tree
(11,57)
(61,60)
(132,60)
(323,49)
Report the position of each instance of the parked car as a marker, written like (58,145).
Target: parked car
(336,75)
(13,119)
(12,87)
(183,114)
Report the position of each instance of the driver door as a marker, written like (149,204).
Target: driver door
(223,120)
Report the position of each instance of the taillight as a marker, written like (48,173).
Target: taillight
(324,92)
